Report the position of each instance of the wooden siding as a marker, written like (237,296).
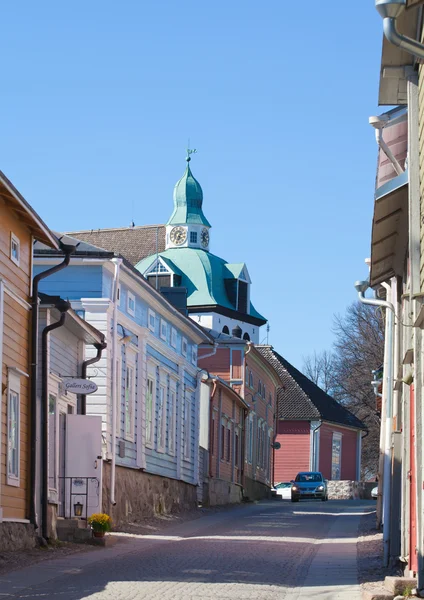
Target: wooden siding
(236,364)
(218,363)
(74,282)
(294,454)
(16,332)
(348,452)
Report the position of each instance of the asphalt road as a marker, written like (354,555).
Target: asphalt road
(271,550)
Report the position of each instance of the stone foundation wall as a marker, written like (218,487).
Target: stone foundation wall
(350,490)
(16,536)
(139,494)
(255,490)
(222,492)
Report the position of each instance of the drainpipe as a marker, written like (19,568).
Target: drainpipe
(63,306)
(390,10)
(210,427)
(212,353)
(379,123)
(117,262)
(68,250)
(85,364)
(388,382)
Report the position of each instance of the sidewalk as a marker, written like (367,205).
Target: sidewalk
(333,573)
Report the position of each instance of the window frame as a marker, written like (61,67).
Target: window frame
(161,428)
(172,411)
(151,315)
(229,439)
(151,378)
(336,437)
(174,337)
(130,368)
(193,237)
(118,385)
(15,240)
(184,346)
(187,426)
(194,355)
(13,387)
(163,331)
(130,297)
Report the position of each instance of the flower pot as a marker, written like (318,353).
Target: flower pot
(98,534)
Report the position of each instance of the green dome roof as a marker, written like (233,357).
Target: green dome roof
(188,200)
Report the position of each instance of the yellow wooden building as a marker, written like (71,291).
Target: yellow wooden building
(19,227)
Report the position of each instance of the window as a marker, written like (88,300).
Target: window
(184,346)
(158,267)
(149,410)
(250,448)
(251,379)
(270,399)
(163,329)
(13,428)
(161,419)
(131,304)
(129,402)
(229,443)
(194,355)
(236,449)
(246,337)
(15,249)
(151,320)
(222,441)
(173,338)
(193,237)
(187,428)
(171,421)
(336,456)
(225,330)
(212,440)
(260,387)
(118,395)
(247,376)
(263,391)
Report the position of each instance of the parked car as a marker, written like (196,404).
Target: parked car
(309,484)
(283,489)
(374,492)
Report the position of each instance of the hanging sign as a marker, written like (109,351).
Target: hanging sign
(79,386)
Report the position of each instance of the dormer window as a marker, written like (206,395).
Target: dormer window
(159,275)
(193,237)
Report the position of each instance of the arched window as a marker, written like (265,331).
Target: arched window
(246,337)
(225,330)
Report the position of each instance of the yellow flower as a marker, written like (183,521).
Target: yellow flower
(100,522)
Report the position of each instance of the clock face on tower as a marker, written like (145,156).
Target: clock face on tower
(178,235)
(204,237)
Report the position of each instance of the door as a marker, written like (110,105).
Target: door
(61,463)
(413,559)
(83,465)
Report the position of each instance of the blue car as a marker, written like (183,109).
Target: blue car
(309,485)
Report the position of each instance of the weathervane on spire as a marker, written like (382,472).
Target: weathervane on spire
(190,151)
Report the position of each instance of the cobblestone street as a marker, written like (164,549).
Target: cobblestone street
(271,550)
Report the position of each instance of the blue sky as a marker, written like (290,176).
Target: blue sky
(99,98)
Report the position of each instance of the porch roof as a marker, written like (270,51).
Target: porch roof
(389,239)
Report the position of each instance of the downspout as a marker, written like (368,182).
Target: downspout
(379,123)
(117,262)
(388,383)
(63,306)
(390,10)
(210,426)
(212,353)
(84,366)
(68,250)
(315,449)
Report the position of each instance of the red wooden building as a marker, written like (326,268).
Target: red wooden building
(316,433)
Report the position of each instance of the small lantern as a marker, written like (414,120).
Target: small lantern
(78,509)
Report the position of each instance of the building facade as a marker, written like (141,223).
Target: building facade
(19,226)
(147,382)
(313,431)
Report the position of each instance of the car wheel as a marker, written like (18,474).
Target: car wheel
(295,499)
(323,498)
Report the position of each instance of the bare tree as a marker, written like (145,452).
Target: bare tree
(319,368)
(345,373)
(358,350)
